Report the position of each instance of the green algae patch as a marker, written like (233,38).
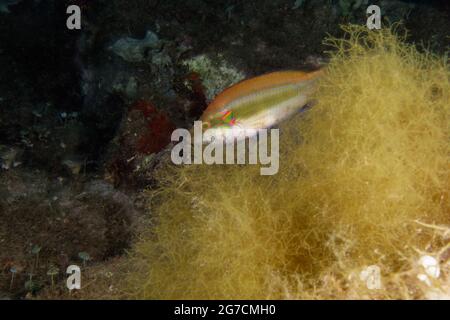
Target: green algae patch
(363,180)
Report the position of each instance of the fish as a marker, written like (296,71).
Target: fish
(259,103)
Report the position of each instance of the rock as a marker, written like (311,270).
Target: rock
(74,165)
(4,5)
(10,157)
(127,87)
(132,88)
(134,50)
(65,219)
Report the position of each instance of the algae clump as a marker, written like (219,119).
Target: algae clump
(357,172)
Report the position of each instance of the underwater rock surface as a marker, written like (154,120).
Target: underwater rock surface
(135,50)
(5,4)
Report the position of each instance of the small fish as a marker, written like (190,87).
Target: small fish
(259,102)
